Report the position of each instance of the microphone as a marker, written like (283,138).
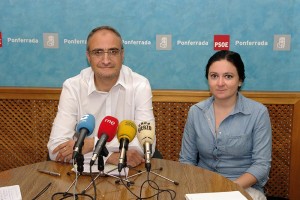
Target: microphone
(146,134)
(106,132)
(84,128)
(126,132)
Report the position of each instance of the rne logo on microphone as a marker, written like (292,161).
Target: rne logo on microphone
(111,122)
(221,42)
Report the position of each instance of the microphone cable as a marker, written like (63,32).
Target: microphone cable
(156,187)
(67,195)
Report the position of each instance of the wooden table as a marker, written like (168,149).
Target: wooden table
(191,179)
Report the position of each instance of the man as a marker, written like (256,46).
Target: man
(106,88)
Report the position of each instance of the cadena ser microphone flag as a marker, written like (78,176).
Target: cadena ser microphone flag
(146,135)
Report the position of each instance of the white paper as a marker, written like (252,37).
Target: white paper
(108,169)
(233,195)
(10,193)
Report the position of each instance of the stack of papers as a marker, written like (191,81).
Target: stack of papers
(234,195)
(10,193)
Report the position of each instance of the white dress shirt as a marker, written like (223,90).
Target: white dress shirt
(129,99)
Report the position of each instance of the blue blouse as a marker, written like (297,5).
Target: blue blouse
(243,142)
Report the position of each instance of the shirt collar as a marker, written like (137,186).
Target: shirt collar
(91,82)
(240,106)
(122,79)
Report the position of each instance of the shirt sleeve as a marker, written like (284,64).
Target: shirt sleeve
(189,151)
(64,124)
(262,148)
(143,111)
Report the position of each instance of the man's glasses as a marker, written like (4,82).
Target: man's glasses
(99,53)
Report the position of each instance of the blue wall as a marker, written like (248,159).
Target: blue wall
(29,63)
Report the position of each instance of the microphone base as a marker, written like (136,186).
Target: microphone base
(102,173)
(152,172)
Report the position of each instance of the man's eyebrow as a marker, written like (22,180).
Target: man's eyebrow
(99,49)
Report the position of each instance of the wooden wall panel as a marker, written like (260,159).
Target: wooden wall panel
(27,114)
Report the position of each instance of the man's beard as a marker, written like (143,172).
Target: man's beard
(108,76)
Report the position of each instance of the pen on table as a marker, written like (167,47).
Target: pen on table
(49,172)
(42,192)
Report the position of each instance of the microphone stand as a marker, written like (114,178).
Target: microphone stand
(124,165)
(148,169)
(152,172)
(79,162)
(104,153)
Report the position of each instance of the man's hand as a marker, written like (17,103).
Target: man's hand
(65,150)
(133,158)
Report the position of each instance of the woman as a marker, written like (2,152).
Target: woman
(229,133)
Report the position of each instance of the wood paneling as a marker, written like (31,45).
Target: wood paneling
(27,114)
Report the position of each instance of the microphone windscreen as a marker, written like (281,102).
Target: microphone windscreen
(146,132)
(87,122)
(127,129)
(108,126)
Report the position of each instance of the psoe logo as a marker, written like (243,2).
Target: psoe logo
(163,42)
(282,43)
(221,42)
(50,40)
(0,39)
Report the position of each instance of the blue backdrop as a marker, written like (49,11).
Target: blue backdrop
(25,61)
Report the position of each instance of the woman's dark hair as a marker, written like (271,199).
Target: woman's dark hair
(230,56)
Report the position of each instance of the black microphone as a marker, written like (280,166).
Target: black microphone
(84,128)
(146,134)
